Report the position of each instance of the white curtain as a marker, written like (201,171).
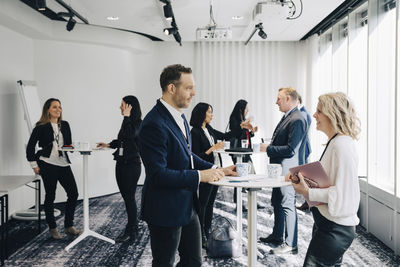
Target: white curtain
(228,71)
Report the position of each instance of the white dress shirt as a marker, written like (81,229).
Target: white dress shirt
(177,115)
(54,157)
(342,199)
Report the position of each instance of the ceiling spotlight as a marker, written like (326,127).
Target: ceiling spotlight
(70,24)
(237,17)
(262,34)
(178,38)
(168,14)
(41,5)
(169,31)
(112,18)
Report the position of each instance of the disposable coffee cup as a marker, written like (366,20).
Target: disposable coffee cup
(256,147)
(227,145)
(242,169)
(274,170)
(245,143)
(77,145)
(85,146)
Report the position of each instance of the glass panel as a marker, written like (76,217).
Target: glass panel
(339,56)
(381,95)
(358,68)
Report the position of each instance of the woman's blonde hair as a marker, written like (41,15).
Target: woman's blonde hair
(45,118)
(339,109)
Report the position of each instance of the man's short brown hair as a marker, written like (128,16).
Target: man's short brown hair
(172,74)
(290,91)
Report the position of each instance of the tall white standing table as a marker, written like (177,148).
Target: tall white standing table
(252,183)
(86,230)
(239,204)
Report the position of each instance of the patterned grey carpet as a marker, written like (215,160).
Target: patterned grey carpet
(107,217)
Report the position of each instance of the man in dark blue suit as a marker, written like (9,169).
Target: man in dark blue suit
(286,145)
(169,199)
(306,115)
(307,147)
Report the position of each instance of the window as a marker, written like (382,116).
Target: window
(339,56)
(381,94)
(357,81)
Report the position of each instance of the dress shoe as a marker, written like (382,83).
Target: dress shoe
(304,206)
(72,231)
(271,240)
(55,234)
(284,249)
(260,207)
(126,236)
(244,209)
(204,241)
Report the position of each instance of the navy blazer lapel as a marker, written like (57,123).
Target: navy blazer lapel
(284,122)
(171,123)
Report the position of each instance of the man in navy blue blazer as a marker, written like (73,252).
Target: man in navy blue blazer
(169,199)
(307,116)
(285,148)
(307,146)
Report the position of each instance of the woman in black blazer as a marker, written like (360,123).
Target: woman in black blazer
(51,132)
(204,143)
(241,129)
(128,167)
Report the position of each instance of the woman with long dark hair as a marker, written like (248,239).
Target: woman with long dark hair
(51,132)
(240,129)
(128,163)
(204,143)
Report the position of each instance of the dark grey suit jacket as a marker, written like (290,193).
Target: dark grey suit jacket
(288,139)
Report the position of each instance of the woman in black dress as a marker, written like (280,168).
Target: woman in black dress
(128,163)
(204,143)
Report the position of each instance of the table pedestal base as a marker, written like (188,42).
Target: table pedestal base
(85,234)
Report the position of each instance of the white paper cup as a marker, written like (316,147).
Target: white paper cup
(85,146)
(77,145)
(256,147)
(245,143)
(274,170)
(242,169)
(227,144)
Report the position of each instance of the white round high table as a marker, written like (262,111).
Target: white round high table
(252,183)
(86,231)
(239,204)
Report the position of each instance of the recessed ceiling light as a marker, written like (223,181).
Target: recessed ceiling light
(237,17)
(113,18)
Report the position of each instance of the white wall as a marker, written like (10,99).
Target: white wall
(16,61)
(90,81)
(149,67)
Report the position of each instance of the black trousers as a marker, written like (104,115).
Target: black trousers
(329,242)
(50,175)
(207,195)
(127,177)
(186,239)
